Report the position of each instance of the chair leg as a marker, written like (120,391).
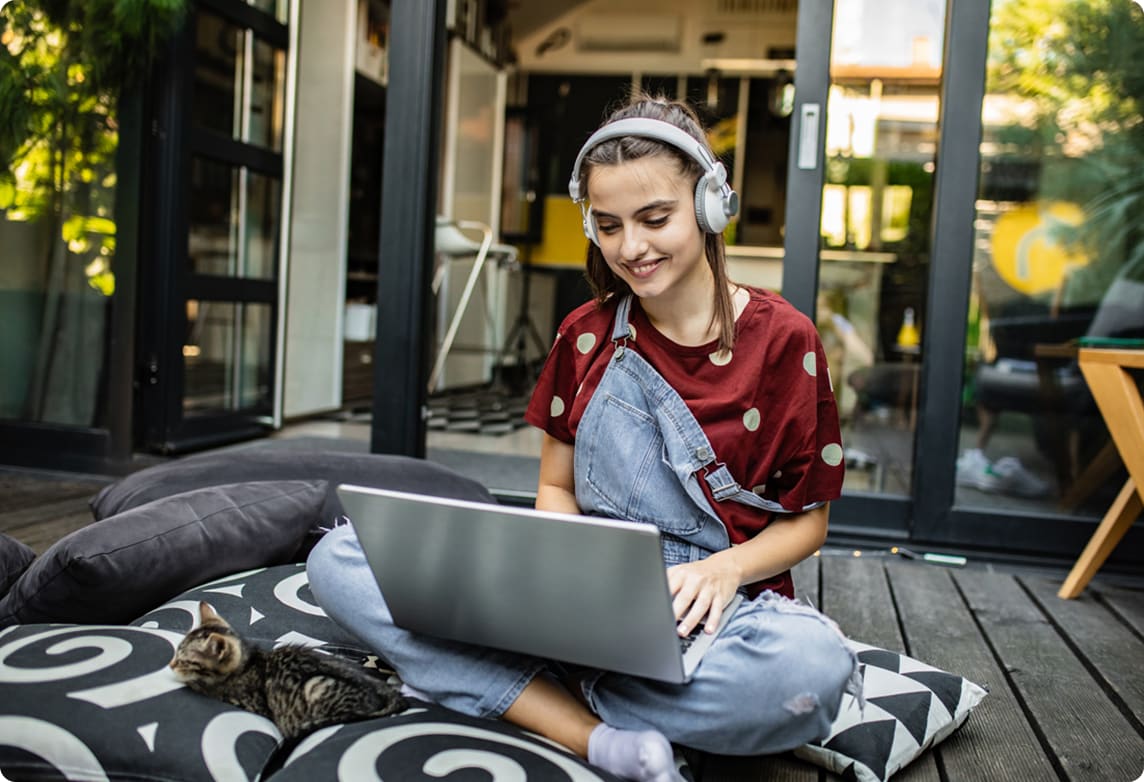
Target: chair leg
(1123,511)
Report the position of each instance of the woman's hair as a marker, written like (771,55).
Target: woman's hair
(604,283)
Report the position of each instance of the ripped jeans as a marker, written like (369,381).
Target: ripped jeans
(773,679)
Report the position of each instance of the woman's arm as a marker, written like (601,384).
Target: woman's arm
(701,589)
(556,490)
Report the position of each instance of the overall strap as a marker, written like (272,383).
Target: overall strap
(620,326)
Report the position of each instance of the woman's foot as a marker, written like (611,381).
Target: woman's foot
(641,755)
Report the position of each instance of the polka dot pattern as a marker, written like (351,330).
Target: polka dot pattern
(810,363)
(751,419)
(832,454)
(720,358)
(556,409)
(585,342)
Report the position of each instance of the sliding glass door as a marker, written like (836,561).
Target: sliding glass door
(210,367)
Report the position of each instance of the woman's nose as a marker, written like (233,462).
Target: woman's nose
(634,244)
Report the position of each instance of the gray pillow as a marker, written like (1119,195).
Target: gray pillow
(387,471)
(113,571)
(14,560)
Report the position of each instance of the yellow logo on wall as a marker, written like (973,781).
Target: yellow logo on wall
(1029,246)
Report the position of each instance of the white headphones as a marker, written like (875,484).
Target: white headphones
(715,202)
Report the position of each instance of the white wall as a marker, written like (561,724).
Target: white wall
(317,252)
(470,190)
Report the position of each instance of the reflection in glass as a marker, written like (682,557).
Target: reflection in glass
(881,138)
(267,96)
(57,227)
(263,205)
(217,91)
(279,9)
(212,243)
(227,357)
(1058,254)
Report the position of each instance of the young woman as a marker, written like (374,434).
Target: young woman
(680,399)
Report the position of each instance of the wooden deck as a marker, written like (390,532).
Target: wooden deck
(1066,678)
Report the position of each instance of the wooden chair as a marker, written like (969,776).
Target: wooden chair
(1106,370)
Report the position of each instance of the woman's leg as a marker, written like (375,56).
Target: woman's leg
(773,680)
(474,680)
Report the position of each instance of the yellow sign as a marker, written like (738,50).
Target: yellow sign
(1029,249)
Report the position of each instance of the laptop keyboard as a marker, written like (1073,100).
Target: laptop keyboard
(686,641)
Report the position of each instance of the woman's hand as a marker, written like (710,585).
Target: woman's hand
(702,589)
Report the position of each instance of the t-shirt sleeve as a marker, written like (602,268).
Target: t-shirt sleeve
(812,471)
(551,401)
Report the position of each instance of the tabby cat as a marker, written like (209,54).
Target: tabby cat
(299,689)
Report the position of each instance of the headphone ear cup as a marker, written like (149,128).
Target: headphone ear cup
(709,211)
(589,225)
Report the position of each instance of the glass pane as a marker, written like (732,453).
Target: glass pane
(217,92)
(1058,254)
(212,242)
(263,210)
(227,357)
(279,9)
(267,96)
(57,233)
(881,138)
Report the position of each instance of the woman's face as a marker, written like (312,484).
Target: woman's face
(645,220)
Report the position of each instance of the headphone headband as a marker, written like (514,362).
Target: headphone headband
(645,128)
(715,202)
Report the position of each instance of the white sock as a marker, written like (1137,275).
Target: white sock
(642,755)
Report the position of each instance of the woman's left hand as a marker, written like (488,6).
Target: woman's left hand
(702,589)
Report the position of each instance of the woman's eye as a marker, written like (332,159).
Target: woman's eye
(607,228)
(657,222)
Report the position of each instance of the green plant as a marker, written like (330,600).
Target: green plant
(63,66)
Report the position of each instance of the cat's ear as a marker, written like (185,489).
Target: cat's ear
(207,615)
(219,646)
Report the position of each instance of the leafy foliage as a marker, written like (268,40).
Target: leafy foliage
(1077,69)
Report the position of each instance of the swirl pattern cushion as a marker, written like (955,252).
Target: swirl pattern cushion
(271,606)
(428,743)
(910,707)
(98,702)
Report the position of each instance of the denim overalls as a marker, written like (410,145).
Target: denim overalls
(772,680)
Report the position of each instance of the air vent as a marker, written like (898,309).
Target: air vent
(628,33)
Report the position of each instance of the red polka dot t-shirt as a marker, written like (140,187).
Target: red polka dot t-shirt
(767,406)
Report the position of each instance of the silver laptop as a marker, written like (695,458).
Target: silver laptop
(580,589)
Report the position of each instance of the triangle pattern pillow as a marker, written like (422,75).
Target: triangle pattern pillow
(910,707)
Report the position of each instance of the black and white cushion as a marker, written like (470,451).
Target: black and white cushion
(910,707)
(99,702)
(427,743)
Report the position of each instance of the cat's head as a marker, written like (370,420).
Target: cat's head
(209,653)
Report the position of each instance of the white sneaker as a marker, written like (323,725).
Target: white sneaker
(1015,479)
(974,469)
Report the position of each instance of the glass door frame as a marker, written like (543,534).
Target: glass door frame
(929,515)
(161,376)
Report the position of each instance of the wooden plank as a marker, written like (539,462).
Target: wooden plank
(1087,734)
(1128,605)
(19,490)
(772,768)
(1112,650)
(786,767)
(856,595)
(40,535)
(44,513)
(940,630)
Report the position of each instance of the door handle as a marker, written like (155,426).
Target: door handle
(809,118)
